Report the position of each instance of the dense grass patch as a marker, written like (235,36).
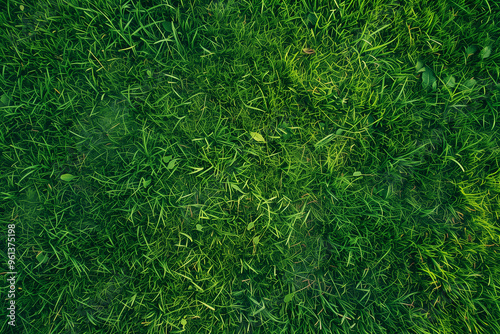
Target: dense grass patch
(251,166)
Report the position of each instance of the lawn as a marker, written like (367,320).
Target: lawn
(252,166)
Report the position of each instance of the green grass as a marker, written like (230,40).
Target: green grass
(226,181)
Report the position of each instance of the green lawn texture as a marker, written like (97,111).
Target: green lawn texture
(251,166)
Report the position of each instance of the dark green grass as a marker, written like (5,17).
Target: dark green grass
(229,182)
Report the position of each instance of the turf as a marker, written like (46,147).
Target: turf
(251,166)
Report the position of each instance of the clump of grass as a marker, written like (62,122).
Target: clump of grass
(219,178)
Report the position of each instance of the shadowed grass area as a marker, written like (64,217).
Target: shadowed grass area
(250,166)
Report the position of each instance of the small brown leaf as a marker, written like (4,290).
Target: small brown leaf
(308,51)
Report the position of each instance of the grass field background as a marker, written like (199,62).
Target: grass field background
(251,166)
